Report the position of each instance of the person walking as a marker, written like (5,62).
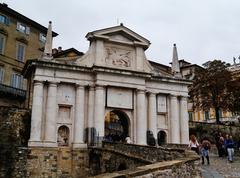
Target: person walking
(220,144)
(229,144)
(205,147)
(193,144)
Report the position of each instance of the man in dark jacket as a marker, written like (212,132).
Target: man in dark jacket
(229,144)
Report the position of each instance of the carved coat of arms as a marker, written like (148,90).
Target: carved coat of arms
(118,57)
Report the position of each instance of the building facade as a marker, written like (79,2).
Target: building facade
(111,92)
(20,39)
(188,71)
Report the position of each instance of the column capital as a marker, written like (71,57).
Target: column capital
(184,97)
(152,95)
(79,86)
(141,91)
(52,83)
(174,96)
(99,87)
(91,87)
(37,82)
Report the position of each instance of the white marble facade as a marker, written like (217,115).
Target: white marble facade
(113,74)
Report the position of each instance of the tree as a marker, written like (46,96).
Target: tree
(212,87)
(235,97)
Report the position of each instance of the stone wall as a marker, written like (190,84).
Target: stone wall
(14,133)
(115,156)
(51,162)
(18,160)
(150,153)
(186,167)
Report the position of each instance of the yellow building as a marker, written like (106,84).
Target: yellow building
(188,71)
(20,39)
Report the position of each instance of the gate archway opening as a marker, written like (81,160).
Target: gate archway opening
(162,137)
(116,126)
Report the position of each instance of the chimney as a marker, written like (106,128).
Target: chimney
(54,51)
(4,4)
(59,48)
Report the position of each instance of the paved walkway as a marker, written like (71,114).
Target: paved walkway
(221,168)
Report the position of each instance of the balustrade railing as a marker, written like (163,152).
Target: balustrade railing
(8,91)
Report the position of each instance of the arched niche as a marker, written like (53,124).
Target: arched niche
(63,136)
(162,137)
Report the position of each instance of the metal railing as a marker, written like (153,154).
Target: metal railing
(8,91)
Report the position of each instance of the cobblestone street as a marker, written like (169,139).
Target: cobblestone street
(221,168)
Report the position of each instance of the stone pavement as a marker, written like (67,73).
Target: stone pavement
(221,168)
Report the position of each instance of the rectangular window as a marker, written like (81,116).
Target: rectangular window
(2,43)
(190,114)
(17,81)
(20,52)
(42,37)
(161,103)
(23,28)
(220,113)
(1,75)
(206,113)
(4,19)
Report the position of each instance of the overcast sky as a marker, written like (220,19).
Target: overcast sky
(202,29)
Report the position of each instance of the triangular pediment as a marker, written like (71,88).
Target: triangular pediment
(119,33)
(121,36)
(117,48)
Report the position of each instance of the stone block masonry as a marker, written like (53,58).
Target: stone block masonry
(57,162)
(48,162)
(14,133)
(187,168)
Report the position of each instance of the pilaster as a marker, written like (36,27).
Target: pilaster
(184,120)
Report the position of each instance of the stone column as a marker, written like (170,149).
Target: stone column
(90,120)
(99,113)
(141,118)
(91,107)
(184,121)
(51,116)
(36,119)
(174,117)
(152,113)
(78,140)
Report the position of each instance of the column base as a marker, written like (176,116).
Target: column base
(49,144)
(35,143)
(79,145)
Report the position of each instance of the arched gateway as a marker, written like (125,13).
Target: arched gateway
(113,73)
(116,126)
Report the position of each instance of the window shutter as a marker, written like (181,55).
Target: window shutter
(1,75)
(1,44)
(12,80)
(7,21)
(21,82)
(27,30)
(18,25)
